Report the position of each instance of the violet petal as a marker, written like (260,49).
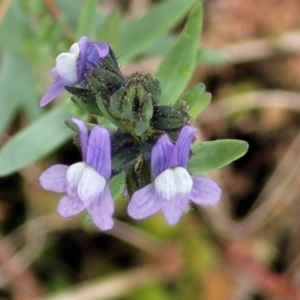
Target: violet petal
(98,152)
(174,209)
(70,205)
(53,91)
(83,133)
(81,61)
(205,191)
(95,52)
(102,209)
(183,145)
(143,203)
(161,155)
(54,179)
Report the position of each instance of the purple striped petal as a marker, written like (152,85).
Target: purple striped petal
(53,91)
(143,203)
(183,145)
(161,155)
(102,210)
(83,133)
(102,48)
(70,205)
(95,52)
(54,179)
(174,209)
(98,152)
(81,61)
(205,191)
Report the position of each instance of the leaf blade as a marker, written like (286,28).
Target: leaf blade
(197,99)
(144,31)
(213,155)
(33,143)
(86,25)
(177,67)
(117,185)
(16,68)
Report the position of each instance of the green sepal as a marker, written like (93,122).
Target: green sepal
(109,115)
(91,108)
(147,110)
(116,100)
(128,103)
(111,64)
(152,86)
(107,124)
(80,92)
(138,175)
(197,99)
(97,86)
(109,78)
(213,155)
(141,92)
(141,126)
(168,118)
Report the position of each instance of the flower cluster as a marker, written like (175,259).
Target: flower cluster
(151,142)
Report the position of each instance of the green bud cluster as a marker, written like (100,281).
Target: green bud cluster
(132,105)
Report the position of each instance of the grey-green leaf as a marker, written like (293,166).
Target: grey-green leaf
(177,67)
(110,30)
(197,99)
(16,71)
(213,155)
(139,34)
(86,24)
(35,141)
(210,57)
(117,185)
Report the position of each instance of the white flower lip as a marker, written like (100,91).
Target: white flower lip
(91,185)
(66,65)
(173,182)
(74,174)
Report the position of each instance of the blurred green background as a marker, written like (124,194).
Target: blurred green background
(246,247)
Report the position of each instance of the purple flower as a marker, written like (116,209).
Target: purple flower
(173,186)
(86,183)
(71,66)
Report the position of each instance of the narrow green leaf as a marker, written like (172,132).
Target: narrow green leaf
(117,185)
(86,24)
(216,154)
(197,99)
(35,141)
(176,69)
(210,57)
(71,11)
(161,47)
(110,30)
(14,29)
(139,34)
(16,85)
